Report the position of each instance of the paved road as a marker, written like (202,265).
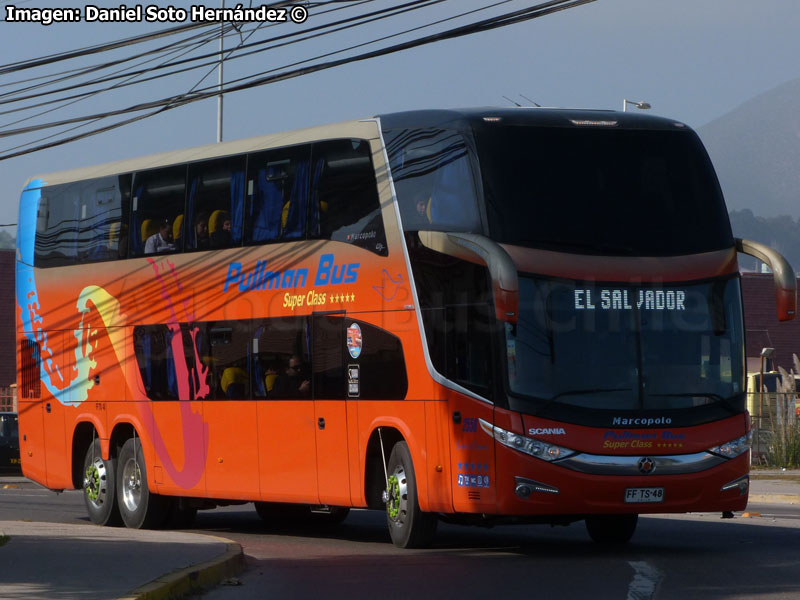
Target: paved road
(698,556)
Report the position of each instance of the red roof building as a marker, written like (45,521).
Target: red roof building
(763,330)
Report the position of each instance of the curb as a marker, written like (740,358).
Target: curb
(193,578)
(774,498)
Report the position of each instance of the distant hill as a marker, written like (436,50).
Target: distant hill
(781,233)
(756,151)
(7,241)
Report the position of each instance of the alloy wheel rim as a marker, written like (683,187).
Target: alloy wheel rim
(397,505)
(131,485)
(95,480)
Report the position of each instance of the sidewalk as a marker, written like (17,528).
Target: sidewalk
(775,486)
(51,560)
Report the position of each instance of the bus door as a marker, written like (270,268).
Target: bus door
(55,446)
(330,408)
(231,414)
(286,419)
(30,411)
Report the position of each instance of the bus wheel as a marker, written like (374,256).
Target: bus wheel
(611,529)
(140,509)
(99,487)
(408,525)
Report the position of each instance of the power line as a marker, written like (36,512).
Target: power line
(519,16)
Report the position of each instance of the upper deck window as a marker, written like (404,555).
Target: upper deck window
(433,180)
(158,211)
(82,222)
(602,191)
(344,195)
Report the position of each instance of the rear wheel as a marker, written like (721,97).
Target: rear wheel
(611,529)
(139,507)
(409,527)
(99,487)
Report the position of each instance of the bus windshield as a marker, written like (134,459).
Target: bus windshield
(604,191)
(623,347)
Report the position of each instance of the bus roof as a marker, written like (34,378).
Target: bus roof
(454,118)
(534,116)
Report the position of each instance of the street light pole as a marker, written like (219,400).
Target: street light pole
(641,105)
(220,79)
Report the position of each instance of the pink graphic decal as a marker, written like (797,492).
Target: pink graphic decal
(389,290)
(195,444)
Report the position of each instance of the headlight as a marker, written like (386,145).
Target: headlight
(734,448)
(537,448)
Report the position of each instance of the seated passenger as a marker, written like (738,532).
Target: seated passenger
(161,241)
(202,241)
(220,227)
(293,383)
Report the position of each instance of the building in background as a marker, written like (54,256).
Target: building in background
(763,328)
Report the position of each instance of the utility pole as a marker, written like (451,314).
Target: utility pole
(219,97)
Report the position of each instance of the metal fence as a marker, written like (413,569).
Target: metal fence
(774,415)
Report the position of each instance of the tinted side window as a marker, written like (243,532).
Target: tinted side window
(344,195)
(57,226)
(223,347)
(160,366)
(215,204)
(104,207)
(281,364)
(158,211)
(433,180)
(381,366)
(277,195)
(328,358)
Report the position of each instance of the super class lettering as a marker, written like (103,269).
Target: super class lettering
(262,277)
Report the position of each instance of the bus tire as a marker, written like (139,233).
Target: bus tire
(100,487)
(611,529)
(409,527)
(138,506)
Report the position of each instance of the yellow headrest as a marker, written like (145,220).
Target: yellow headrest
(177,227)
(113,234)
(233,375)
(269,380)
(216,220)
(149,227)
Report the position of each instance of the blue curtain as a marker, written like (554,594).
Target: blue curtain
(172,378)
(265,210)
(237,206)
(316,220)
(298,206)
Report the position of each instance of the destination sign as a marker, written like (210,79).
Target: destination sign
(624,299)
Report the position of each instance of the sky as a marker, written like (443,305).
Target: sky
(692,60)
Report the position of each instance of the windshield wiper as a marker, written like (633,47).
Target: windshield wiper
(725,402)
(553,399)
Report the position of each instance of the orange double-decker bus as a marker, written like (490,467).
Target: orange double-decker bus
(511,315)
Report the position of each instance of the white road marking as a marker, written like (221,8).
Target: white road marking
(645,581)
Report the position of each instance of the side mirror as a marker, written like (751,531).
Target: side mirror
(481,250)
(782,272)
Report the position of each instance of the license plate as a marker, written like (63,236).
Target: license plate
(644,495)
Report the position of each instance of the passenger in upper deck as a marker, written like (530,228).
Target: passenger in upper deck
(161,241)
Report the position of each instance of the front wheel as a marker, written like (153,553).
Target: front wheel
(611,529)
(100,487)
(139,507)
(409,527)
